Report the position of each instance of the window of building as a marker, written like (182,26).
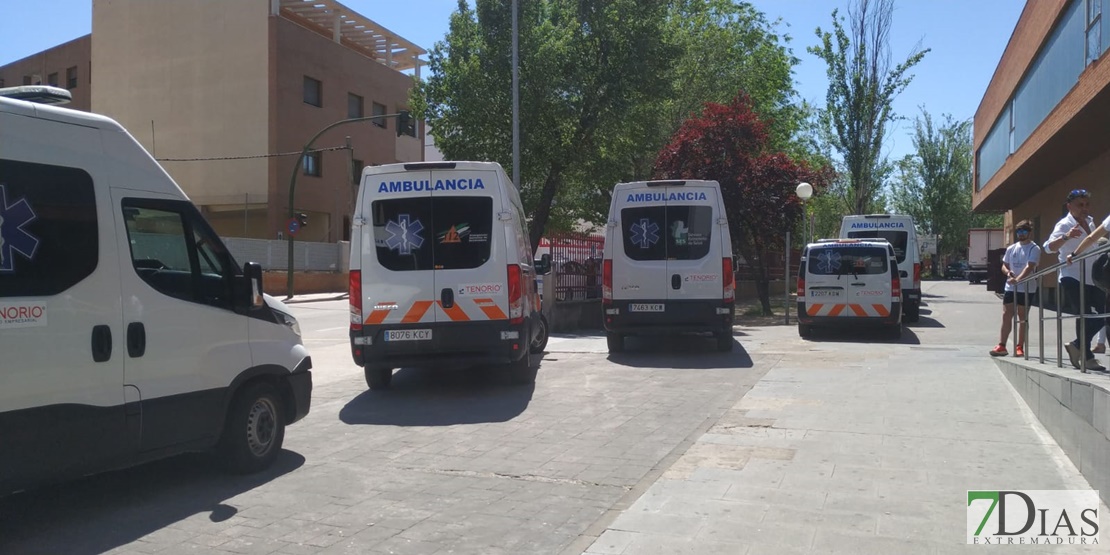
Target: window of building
(1013,135)
(1,82)
(356,171)
(47,207)
(313,92)
(379,110)
(71,78)
(354,106)
(52,79)
(312,164)
(1094,30)
(26,79)
(411,129)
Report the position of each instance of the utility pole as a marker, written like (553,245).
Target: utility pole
(516,99)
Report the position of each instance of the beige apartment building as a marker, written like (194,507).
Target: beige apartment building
(215,89)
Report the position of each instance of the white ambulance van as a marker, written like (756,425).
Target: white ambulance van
(849,282)
(899,230)
(127,331)
(667,266)
(442,271)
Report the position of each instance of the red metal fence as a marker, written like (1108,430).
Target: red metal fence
(575,264)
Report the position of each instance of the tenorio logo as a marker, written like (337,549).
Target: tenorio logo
(480,289)
(1033,517)
(22,315)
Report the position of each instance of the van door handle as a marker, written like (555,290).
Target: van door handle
(447,297)
(676,281)
(859,284)
(136,339)
(101,343)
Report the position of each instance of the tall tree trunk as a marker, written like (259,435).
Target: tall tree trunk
(543,208)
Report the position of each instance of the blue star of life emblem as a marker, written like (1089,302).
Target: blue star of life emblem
(828,262)
(13,238)
(645,233)
(404,234)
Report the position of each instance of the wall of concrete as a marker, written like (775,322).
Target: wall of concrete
(304,283)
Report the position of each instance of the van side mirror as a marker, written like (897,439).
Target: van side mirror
(543,265)
(253,272)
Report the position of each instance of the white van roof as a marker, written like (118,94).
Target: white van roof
(662,183)
(441,165)
(58,114)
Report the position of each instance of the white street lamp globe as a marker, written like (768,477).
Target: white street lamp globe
(804,191)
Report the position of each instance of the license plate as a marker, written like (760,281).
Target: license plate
(408,335)
(823,293)
(646,307)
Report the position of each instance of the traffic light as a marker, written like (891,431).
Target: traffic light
(405,124)
(302,219)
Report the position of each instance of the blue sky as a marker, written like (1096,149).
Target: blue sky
(967,38)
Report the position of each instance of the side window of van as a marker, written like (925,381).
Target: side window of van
(666,232)
(178,255)
(425,233)
(49,238)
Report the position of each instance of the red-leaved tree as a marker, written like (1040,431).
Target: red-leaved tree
(728,144)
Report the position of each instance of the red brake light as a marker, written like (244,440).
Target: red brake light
(726,276)
(917,273)
(516,295)
(895,287)
(607,281)
(354,290)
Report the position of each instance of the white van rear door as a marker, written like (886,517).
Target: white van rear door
(398,277)
(469,246)
(640,252)
(693,242)
(848,280)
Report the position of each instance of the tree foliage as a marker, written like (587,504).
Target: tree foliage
(730,144)
(934,184)
(862,87)
(603,86)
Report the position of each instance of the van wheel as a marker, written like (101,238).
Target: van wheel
(255,429)
(912,313)
(615,342)
(805,331)
(540,342)
(521,371)
(377,378)
(724,341)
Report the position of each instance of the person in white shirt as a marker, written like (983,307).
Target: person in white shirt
(1020,260)
(1069,232)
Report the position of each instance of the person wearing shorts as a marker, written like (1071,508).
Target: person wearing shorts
(1020,260)
(1073,230)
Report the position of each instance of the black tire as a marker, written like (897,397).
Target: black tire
(615,342)
(724,341)
(912,312)
(378,379)
(521,371)
(805,331)
(254,430)
(540,342)
(894,332)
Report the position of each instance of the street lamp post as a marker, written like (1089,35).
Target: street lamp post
(404,117)
(804,192)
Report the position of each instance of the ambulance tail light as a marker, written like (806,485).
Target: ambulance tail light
(516,295)
(607,281)
(895,288)
(726,277)
(354,289)
(917,273)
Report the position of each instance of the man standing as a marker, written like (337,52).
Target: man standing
(1069,232)
(1020,261)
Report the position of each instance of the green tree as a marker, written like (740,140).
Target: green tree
(584,67)
(862,88)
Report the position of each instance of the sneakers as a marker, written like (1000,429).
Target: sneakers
(1099,349)
(1019,351)
(1073,353)
(999,351)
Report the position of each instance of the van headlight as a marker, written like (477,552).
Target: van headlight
(289,321)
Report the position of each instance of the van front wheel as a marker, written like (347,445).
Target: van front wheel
(615,342)
(540,342)
(255,429)
(378,379)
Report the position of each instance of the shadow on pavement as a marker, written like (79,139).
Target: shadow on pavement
(864,335)
(102,512)
(440,397)
(924,321)
(680,352)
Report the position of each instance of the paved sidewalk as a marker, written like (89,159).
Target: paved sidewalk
(870,452)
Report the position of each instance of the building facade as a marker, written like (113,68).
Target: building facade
(226,94)
(1040,130)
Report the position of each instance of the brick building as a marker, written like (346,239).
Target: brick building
(202,79)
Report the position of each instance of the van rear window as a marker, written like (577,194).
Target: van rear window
(839,261)
(897,239)
(433,233)
(667,232)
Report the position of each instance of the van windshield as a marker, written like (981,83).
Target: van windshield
(666,232)
(433,233)
(897,239)
(838,261)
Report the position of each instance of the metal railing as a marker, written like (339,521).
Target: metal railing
(1022,286)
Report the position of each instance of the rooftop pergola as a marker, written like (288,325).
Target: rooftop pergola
(350,28)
